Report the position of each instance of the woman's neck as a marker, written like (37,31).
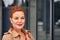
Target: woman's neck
(18,30)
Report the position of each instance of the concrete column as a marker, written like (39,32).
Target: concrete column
(33,17)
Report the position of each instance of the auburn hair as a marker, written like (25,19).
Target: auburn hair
(16,8)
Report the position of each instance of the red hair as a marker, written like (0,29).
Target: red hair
(16,8)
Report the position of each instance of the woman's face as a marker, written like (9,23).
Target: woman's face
(18,19)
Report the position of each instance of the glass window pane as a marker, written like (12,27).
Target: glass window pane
(56,20)
(43,19)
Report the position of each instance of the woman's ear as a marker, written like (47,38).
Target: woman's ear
(11,20)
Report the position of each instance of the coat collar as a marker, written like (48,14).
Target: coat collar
(15,34)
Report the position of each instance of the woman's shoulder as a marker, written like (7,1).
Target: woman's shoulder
(27,30)
(29,34)
(6,35)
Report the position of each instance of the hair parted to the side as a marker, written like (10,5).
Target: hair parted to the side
(16,8)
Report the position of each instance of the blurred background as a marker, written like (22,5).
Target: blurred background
(37,17)
(56,25)
(0,19)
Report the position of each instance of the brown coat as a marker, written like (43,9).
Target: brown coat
(13,35)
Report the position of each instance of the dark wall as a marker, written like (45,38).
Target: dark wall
(56,11)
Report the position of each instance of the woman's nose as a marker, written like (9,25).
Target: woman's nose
(19,20)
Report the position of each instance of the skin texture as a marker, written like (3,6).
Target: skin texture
(18,20)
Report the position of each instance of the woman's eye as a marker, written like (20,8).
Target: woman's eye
(16,18)
(23,18)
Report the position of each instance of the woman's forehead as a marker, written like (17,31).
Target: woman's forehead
(18,13)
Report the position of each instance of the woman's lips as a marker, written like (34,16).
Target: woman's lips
(19,24)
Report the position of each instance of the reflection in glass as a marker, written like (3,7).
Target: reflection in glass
(43,19)
(56,20)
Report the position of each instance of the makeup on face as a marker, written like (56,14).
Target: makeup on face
(18,19)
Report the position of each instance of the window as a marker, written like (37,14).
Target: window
(56,20)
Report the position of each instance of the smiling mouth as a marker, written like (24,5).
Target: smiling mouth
(19,24)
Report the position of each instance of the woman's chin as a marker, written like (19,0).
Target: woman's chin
(19,27)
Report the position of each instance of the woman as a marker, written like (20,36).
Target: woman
(16,31)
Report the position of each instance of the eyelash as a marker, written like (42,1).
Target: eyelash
(16,18)
(21,18)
